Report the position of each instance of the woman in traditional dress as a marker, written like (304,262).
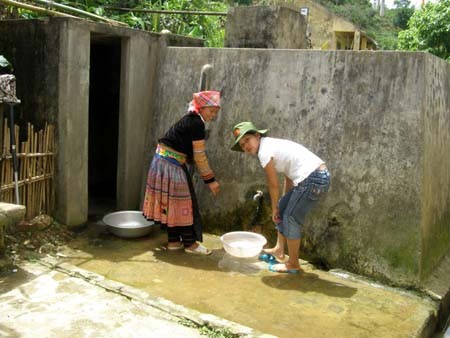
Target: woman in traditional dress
(170,197)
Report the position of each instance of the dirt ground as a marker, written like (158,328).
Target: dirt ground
(31,240)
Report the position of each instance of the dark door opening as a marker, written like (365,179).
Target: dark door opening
(104,99)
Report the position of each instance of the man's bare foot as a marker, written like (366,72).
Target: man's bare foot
(277,253)
(285,268)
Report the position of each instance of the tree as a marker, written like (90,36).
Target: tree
(403,13)
(428,30)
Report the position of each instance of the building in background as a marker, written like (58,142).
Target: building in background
(328,31)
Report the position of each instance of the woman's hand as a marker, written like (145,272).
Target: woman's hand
(214,187)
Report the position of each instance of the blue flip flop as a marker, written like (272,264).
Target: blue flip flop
(271,259)
(291,271)
(268,258)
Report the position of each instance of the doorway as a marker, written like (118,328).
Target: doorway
(104,101)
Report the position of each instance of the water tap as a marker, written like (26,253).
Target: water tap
(258,195)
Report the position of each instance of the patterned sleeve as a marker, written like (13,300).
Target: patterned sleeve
(199,150)
(201,161)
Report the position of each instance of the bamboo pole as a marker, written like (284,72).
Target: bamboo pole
(47,170)
(5,129)
(27,155)
(35,8)
(25,182)
(35,169)
(51,167)
(3,162)
(23,160)
(33,173)
(4,173)
(159,11)
(41,170)
(30,172)
(44,170)
(7,164)
(38,169)
(51,4)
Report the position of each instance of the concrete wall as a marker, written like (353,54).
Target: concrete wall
(10,214)
(435,222)
(379,119)
(138,64)
(31,46)
(365,113)
(265,27)
(52,62)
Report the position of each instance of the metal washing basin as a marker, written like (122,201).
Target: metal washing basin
(128,224)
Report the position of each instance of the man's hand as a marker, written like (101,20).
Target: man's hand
(276,216)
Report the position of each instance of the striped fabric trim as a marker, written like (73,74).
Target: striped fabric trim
(207,99)
(167,152)
(167,197)
(201,161)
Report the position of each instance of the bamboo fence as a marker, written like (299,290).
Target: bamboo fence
(35,171)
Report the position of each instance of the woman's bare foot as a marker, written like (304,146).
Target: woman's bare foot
(175,246)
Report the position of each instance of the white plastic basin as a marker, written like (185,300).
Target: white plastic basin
(243,243)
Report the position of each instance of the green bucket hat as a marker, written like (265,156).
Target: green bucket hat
(240,129)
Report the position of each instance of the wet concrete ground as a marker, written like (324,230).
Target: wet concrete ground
(314,303)
(38,301)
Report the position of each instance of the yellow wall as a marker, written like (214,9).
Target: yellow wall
(323,25)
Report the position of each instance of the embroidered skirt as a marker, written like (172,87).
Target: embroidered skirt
(168,198)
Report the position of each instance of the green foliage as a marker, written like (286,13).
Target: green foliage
(210,28)
(207,27)
(209,331)
(362,14)
(429,30)
(403,13)
(216,332)
(402,17)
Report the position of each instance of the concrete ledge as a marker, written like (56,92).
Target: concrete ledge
(438,287)
(10,214)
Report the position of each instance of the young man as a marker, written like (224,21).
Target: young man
(306,179)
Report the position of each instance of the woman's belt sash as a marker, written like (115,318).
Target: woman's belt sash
(168,153)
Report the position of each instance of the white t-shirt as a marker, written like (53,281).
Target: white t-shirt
(290,158)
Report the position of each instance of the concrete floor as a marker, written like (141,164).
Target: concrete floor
(39,301)
(314,303)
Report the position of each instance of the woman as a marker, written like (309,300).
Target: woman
(306,178)
(170,196)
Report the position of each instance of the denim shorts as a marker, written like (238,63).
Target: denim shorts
(299,201)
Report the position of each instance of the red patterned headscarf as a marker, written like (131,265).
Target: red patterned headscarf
(204,99)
